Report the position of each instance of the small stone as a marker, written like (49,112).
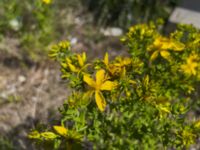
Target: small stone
(114,31)
(22,79)
(187,12)
(73,40)
(15,25)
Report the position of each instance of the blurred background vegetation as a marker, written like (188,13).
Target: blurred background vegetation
(36,24)
(124,13)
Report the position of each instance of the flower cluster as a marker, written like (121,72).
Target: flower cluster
(140,101)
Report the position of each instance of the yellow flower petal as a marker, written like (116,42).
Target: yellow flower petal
(72,68)
(132,82)
(186,69)
(84,57)
(161,43)
(190,67)
(146,81)
(108,85)
(106,59)
(197,124)
(164,109)
(80,60)
(126,61)
(100,77)
(120,64)
(34,135)
(188,137)
(193,68)
(68,60)
(123,73)
(100,100)
(154,55)
(177,46)
(63,44)
(165,54)
(89,81)
(192,58)
(61,130)
(48,135)
(46,1)
(114,70)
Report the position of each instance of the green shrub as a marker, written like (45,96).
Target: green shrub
(140,101)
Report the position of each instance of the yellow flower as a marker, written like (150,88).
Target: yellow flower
(47,1)
(163,105)
(48,135)
(146,82)
(68,134)
(61,130)
(164,109)
(122,62)
(62,44)
(141,29)
(34,135)
(81,59)
(191,65)
(60,48)
(106,60)
(188,137)
(162,45)
(197,124)
(44,135)
(119,67)
(102,83)
(78,99)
